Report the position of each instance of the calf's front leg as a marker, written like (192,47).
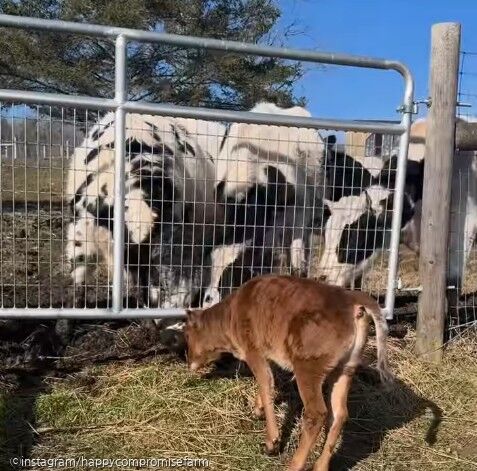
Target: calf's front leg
(262,372)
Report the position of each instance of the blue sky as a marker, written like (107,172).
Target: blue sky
(391,29)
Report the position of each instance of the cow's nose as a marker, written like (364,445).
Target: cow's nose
(322,278)
(208,298)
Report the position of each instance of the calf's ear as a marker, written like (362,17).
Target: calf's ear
(194,317)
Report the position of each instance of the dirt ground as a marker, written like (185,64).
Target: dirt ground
(34,361)
(33,271)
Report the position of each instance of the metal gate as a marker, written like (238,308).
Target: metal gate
(122,107)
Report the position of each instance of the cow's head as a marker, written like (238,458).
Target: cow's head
(356,229)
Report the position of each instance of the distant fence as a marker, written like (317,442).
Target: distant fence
(462,312)
(34,133)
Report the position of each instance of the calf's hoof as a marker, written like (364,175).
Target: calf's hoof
(272,448)
(258,412)
(295,467)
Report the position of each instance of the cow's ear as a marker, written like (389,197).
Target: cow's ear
(330,150)
(387,175)
(326,213)
(330,140)
(327,209)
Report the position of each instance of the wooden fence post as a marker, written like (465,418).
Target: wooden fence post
(440,137)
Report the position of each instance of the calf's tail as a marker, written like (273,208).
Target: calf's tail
(374,311)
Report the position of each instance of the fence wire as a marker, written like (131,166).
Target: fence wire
(462,250)
(208,206)
(191,220)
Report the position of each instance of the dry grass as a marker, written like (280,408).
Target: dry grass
(159,409)
(375,280)
(32,183)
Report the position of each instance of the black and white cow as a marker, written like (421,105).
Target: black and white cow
(169,184)
(198,200)
(269,183)
(358,226)
(345,175)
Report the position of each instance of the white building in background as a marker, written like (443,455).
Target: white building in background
(363,144)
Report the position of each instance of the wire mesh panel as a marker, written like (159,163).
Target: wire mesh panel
(165,207)
(33,166)
(462,268)
(462,251)
(467,92)
(208,205)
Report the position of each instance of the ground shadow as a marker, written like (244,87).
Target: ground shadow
(370,418)
(18,395)
(26,348)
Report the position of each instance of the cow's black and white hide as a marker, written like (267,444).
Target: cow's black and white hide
(169,174)
(269,181)
(359,226)
(345,175)
(260,235)
(411,229)
(349,251)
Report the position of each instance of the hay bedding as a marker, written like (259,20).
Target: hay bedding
(156,408)
(135,405)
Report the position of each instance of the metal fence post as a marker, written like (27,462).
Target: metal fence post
(120,147)
(437,179)
(393,263)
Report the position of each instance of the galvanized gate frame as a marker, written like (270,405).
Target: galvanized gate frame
(120,105)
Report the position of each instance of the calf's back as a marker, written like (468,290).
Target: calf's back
(286,318)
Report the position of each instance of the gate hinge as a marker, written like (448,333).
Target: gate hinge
(414,109)
(408,109)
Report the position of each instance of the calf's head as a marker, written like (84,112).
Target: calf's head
(201,346)
(357,227)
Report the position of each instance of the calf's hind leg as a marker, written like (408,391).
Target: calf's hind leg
(339,399)
(309,377)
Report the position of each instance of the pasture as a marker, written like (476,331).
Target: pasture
(113,392)
(208,207)
(154,407)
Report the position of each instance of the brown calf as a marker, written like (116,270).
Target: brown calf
(304,326)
